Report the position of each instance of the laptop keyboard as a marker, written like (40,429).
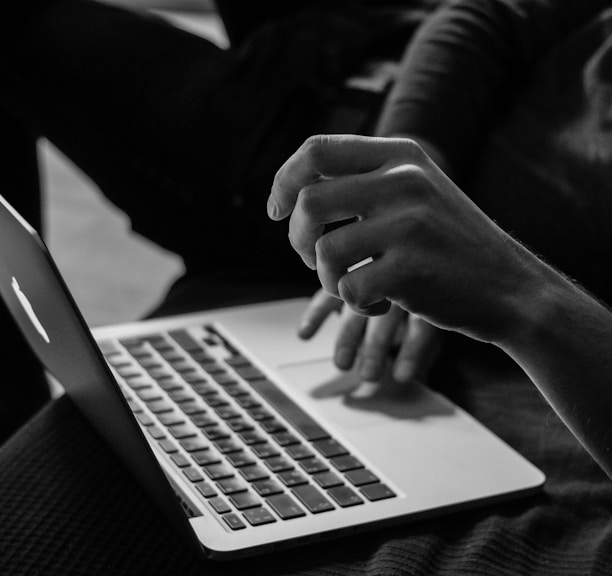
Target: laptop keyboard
(248,449)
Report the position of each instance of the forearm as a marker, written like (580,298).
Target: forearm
(563,341)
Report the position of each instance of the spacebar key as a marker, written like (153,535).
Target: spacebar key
(287,408)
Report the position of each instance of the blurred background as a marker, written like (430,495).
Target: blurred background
(114,275)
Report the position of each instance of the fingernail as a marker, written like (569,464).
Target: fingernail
(272,209)
(403,371)
(370,370)
(343,358)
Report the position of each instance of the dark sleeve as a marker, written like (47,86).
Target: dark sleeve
(465,63)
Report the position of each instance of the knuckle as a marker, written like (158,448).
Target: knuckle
(411,149)
(326,249)
(308,201)
(314,147)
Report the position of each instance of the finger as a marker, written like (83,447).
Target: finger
(349,338)
(379,336)
(368,288)
(321,305)
(347,249)
(328,202)
(328,156)
(418,350)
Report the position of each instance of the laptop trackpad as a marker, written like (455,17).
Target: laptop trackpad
(347,403)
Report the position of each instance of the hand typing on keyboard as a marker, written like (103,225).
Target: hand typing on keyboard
(410,342)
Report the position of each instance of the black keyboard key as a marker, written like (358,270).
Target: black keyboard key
(181,460)
(244,500)
(327,479)
(179,396)
(212,367)
(160,406)
(227,412)
(156,432)
(180,431)
(347,462)
(193,378)
(194,444)
(299,451)
(258,516)
(215,433)
(273,425)
(218,471)
(191,408)
(149,394)
(267,487)
(185,340)
(247,401)
(292,478)
(265,450)
(168,446)
(285,506)
(215,401)
(260,414)
(287,408)
(345,496)
(169,384)
(235,389)
(361,476)
(249,372)
(330,448)
(223,378)
(232,485)
(171,355)
(219,505)
(193,475)
(252,437)
(148,361)
(233,521)
(254,472)
(145,419)
(201,356)
(313,465)
(278,464)
(203,420)
(109,347)
(138,383)
(206,457)
(239,459)
(377,491)
(237,360)
(240,425)
(286,438)
(205,389)
(171,418)
(228,445)
(206,489)
(182,366)
(160,374)
(314,501)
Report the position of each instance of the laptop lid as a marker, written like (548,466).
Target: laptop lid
(38,299)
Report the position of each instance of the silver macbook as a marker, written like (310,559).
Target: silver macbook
(248,438)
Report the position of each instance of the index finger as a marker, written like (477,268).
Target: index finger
(326,156)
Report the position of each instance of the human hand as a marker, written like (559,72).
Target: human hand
(433,251)
(410,342)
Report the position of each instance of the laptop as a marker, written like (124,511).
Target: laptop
(249,439)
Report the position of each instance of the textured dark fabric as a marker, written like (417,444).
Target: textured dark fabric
(68,507)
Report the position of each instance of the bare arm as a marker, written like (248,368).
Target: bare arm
(436,254)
